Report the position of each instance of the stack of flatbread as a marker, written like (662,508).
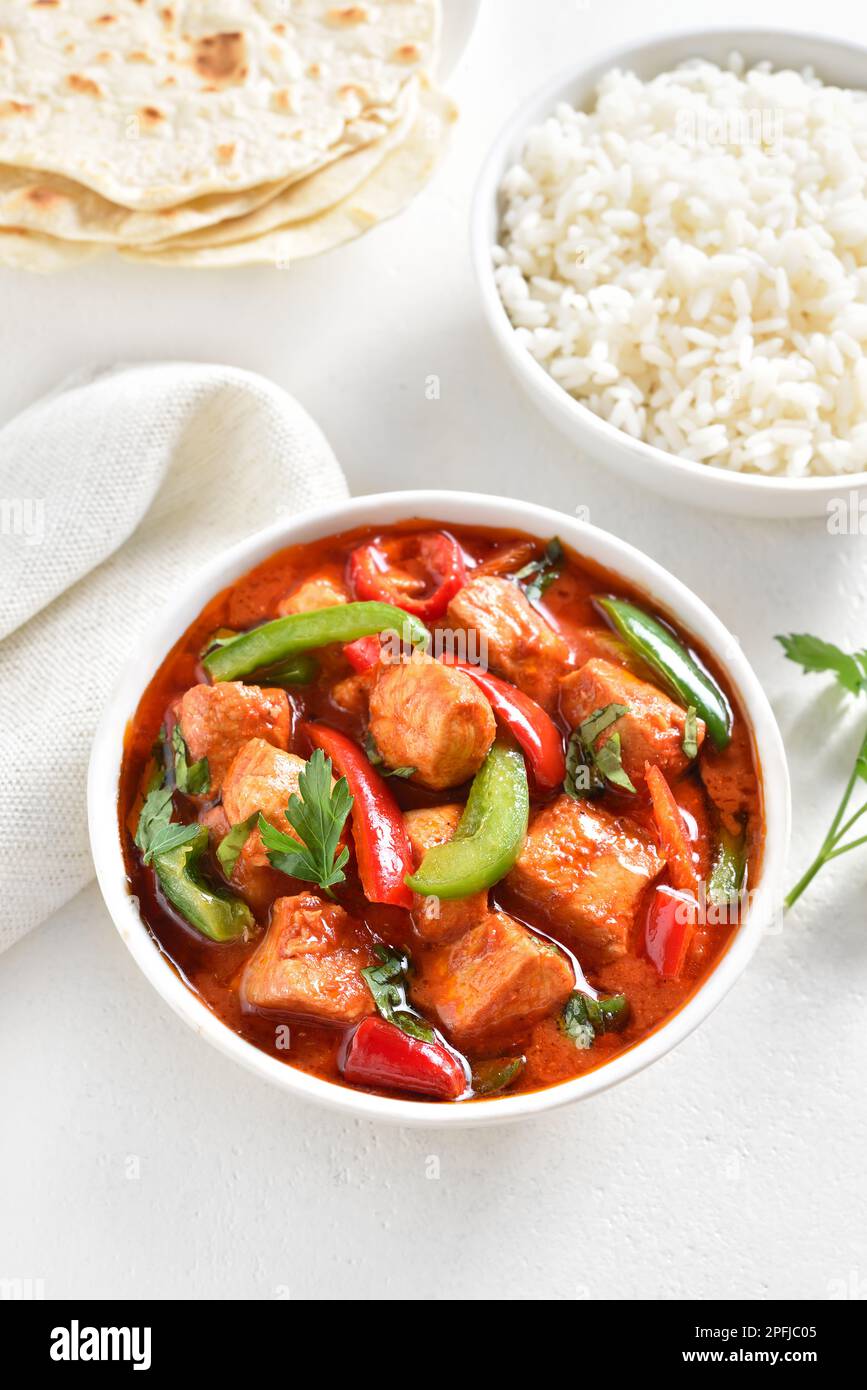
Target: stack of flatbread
(211,132)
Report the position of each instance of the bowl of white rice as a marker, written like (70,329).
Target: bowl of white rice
(671,246)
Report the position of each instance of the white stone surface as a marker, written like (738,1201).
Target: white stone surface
(734,1168)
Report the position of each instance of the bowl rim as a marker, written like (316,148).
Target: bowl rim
(484,223)
(471,509)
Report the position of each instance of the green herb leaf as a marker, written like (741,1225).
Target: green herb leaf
(372,753)
(194,779)
(582,779)
(317,813)
(588,768)
(155,832)
(539,575)
(584,1019)
(575,1021)
(690,733)
(496,1074)
(231,845)
(610,764)
(814,655)
(374,757)
(387,984)
(601,719)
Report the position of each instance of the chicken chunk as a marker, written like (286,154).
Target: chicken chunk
(352,695)
(431,717)
(253,878)
(588,643)
(310,964)
(322,591)
(497,980)
(262,779)
(519,643)
(729,777)
(585,871)
(217,720)
(434,918)
(650,732)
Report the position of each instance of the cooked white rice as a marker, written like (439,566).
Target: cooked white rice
(690,261)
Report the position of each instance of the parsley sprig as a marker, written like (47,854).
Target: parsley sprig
(156,833)
(194,779)
(850,672)
(317,813)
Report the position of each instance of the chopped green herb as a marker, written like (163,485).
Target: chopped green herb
(496,1074)
(317,813)
(582,779)
(610,763)
(690,733)
(588,768)
(600,720)
(387,984)
(539,575)
(231,845)
(583,1019)
(374,757)
(193,779)
(575,1021)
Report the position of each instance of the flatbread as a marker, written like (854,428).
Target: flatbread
(22,250)
(390,188)
(56,206)
(306,198)
(153,104)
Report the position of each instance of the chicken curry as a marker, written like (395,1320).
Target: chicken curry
(439,812)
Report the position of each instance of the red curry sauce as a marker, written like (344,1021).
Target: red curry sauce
(212,970)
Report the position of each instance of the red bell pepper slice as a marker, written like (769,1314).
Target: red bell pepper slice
(670,925)
(381,1054)
(382,846)
(402,569)
(363,652)
(673,833)
(535,732)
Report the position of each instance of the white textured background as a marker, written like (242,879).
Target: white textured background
(733,1168)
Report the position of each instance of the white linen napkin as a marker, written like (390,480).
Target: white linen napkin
(112,491)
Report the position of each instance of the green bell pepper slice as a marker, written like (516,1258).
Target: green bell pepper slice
(490,832)
(729,866)
(298,670)
(214,913)
(276,642)
(671,661)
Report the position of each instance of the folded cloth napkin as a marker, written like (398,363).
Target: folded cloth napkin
(113,491)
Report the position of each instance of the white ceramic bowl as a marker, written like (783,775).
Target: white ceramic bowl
(459,21)
(471,509)
(843,63)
